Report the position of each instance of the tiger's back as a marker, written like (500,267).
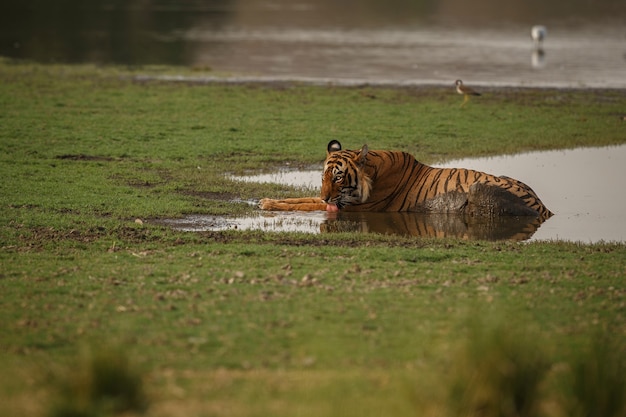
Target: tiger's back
(401,183)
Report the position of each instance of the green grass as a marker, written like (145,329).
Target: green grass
(250,323)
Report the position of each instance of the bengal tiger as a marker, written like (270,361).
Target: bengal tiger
(394,181)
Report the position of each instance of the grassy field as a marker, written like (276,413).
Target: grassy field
(105,315)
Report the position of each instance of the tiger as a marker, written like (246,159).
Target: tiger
(394,181)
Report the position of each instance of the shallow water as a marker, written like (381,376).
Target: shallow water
(583,187)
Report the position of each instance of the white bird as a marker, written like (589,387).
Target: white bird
(538,33)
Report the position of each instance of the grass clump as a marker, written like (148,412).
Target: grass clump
(499,373)
(595,384)
(505,368)
(102,382)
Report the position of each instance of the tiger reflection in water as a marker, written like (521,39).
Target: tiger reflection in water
(515,228)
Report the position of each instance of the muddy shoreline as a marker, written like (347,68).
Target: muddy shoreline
(423,85)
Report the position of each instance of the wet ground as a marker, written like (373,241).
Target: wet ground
(583,187)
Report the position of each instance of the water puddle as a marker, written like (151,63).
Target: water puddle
(583,187)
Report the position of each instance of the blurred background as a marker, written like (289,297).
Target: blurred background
(483,42)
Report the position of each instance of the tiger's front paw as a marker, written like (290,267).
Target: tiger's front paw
(267,204)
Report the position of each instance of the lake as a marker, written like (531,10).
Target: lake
(483,42)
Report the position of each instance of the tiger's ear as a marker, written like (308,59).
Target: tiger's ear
(362,154)
(333,146)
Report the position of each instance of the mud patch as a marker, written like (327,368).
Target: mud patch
(37,239)
(213,195)
(83,157)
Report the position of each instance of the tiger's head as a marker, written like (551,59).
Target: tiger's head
(343,181)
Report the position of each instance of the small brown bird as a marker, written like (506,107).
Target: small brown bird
(465,91)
